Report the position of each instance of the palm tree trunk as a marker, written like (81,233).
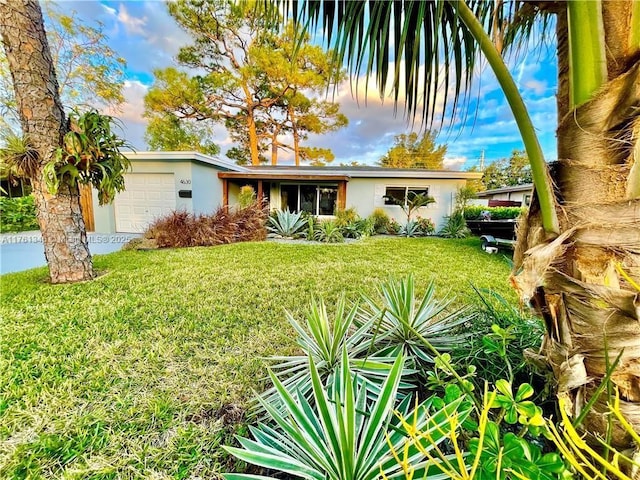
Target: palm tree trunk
(43,123)
(584,283)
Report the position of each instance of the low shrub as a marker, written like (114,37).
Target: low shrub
(497,339)
(418,228)
(473,212)
(329,232)
(362,227)
(347,216)
(426,225)
(247,196)
(18,214)
(380,220)
(182,229)
(456,226)
(394,227)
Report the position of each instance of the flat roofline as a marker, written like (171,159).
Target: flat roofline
(184,156)
(516,188)
(357,172)
(282,176)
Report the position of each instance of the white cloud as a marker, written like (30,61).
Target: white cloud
(133,25)
(454,163)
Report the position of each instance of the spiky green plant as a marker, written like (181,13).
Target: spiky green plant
(344,434)
(286,224)
(405,321)
(329,232)
(322,339)
(411,229)
(456,227)
(18,158)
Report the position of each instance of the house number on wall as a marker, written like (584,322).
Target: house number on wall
(185,182)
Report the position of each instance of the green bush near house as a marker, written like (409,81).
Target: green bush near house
(474,212)
(18,214)
(380,220)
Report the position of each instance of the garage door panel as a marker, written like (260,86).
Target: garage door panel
(147,196)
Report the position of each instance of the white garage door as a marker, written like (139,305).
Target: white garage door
(146,197)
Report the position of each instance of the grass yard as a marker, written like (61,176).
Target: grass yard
(144,372)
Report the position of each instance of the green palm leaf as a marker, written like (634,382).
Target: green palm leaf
(342,433)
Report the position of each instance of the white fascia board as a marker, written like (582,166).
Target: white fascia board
(383,173)
(182,156)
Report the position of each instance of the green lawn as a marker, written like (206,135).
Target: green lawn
(143,372)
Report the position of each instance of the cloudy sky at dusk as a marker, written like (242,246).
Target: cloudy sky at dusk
(145,35)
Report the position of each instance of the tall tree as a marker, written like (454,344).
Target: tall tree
(43,123)
(251,80)
(89,72)
(580,269)
(56,153)
(508,172)
(411,151)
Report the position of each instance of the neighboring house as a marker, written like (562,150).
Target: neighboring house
(164,181)
(516,196)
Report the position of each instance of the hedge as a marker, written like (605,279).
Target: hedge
(473,212)
(18,214)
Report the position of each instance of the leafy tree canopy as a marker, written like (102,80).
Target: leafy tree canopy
(508,172)
(264,87)
(411,151)
(89,72)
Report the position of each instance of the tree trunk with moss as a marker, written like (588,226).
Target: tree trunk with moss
(585,283)
(43,124)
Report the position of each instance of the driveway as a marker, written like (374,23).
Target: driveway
(24,250)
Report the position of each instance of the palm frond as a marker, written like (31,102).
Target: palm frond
(419,50)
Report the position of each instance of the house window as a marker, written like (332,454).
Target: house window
(399,195)
(315,199)
(527,200)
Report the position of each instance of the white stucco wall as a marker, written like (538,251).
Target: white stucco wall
(366,194)
(206,189)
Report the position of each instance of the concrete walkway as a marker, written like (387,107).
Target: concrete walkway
(24,250)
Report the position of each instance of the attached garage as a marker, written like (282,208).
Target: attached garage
(147,196)
(159,183)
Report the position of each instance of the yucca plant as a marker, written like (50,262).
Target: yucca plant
(329,232)
(405,321)
(323,339)
(340,437)
(286,224)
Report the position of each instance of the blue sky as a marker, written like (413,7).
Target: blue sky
(145,35)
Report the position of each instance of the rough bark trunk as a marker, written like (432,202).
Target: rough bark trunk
(253,138)
(579,282)
(296,136)
(43,123)
(274,151)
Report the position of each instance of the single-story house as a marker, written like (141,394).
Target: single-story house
(516,196)
(160,182)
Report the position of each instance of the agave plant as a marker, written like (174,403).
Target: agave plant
(405,322)
(345,434)
(286,224)
(411,229)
